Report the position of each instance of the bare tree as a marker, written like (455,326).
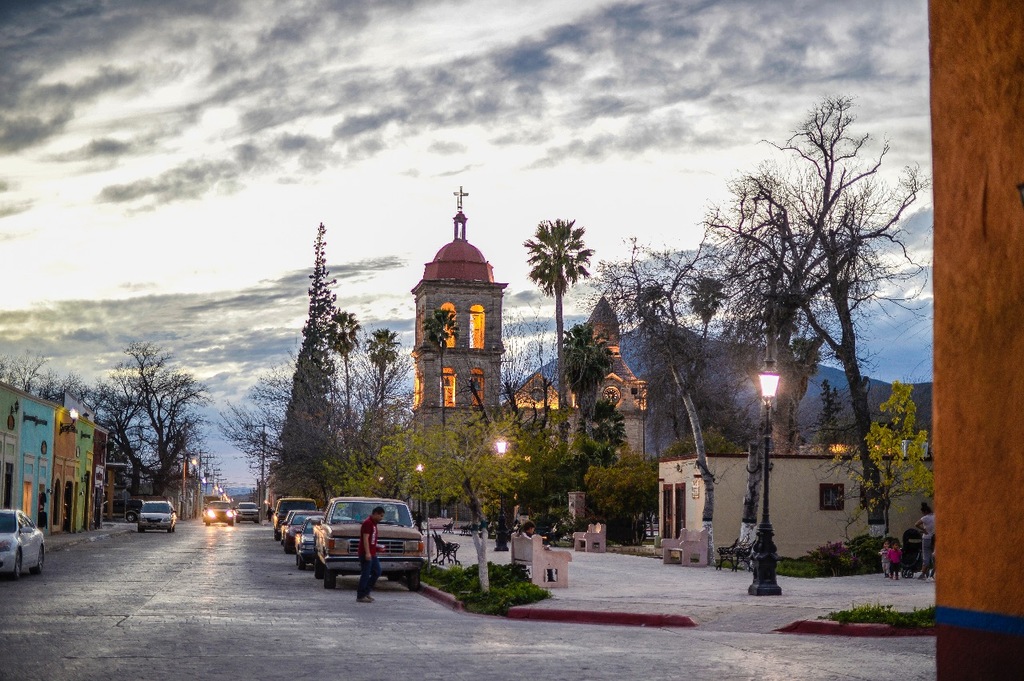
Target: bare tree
(151,410)
(661,294)
(816,245)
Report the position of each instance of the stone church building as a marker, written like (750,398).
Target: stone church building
(459,279)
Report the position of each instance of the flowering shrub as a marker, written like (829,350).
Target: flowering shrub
(834,558)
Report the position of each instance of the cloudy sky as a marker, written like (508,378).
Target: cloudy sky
(164,165)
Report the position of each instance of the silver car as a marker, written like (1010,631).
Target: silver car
(21,544)
(247,510)
(157,515)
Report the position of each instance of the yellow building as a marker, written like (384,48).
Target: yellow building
(812,501)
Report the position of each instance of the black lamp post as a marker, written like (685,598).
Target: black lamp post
(763,552)
(501,534)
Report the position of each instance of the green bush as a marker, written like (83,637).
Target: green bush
(884,614)
(510,586)
(866,548)
(834,559)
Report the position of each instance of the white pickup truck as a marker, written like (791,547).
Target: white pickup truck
(336,540)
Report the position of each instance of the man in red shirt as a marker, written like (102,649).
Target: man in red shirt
(369,564)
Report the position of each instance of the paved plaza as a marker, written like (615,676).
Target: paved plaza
(716,599)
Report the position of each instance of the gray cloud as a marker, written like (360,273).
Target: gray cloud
(639,63)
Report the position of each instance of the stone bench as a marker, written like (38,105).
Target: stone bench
(690,549)
(548,567)
(594,540)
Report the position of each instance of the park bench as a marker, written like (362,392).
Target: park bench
(690,549)
(734,554)
(547,567)
(594,540)
(448,528)
(445,551)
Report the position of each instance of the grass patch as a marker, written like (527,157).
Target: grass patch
(884,614)
(797,567)
(510,586)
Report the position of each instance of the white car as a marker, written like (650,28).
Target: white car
(21,544)
(157,515)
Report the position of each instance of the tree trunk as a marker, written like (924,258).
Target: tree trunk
(748,525)
(479,543)
(702,463)
(862,421)
(560,368)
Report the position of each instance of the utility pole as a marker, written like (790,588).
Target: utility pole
(261,491)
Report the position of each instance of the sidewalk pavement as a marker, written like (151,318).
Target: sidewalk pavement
(613,588)
(62,540)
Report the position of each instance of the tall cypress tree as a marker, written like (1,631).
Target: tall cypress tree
(305,441)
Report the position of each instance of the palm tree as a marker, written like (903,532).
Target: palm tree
(344,339)
(558,259)
(441,329)
(587,361)
(382,350)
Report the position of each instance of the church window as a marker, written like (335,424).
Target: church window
(448,387)
(476,326)
(450,342)
(478,386)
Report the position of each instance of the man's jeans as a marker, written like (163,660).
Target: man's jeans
(369,571)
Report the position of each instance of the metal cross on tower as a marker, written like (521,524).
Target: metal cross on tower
(458,196)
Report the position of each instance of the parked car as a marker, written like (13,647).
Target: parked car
(292,526)
(285,504)
(21,544)
(157,515)
(247,510)
(131,509)
(402,552)
(219,512)
(305,547)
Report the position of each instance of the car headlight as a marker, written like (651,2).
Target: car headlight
(6,544)
(210,513)
(412,546)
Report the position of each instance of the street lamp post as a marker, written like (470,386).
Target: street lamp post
(763,552)
(501,534)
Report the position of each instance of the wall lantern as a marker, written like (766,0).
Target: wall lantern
(70,427)
(15,407)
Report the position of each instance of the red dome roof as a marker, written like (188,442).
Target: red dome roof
(459,260)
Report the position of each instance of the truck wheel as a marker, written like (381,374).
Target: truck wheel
(330,579)
(131,516)
(412,579)
(318,568)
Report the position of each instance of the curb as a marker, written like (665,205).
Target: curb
(442,597)
(634,619)
(75,539)
(830,628)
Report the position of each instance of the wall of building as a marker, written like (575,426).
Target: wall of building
(977,101)
(800,525)
(431,295)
